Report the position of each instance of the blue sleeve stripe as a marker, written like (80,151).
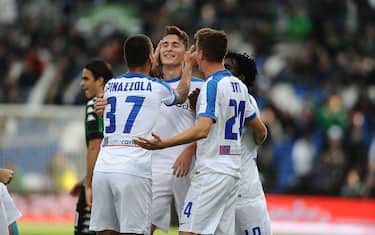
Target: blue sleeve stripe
(211,96)
(174,100)
(213,117)
(251,117)
(166,85)
(194,79)
(251,100)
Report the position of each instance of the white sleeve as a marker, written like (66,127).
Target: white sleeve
(207,100)
(251,109)
(169,96)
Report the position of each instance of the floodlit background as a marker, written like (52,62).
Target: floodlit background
(316,90)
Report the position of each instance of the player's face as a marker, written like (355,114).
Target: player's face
(172,50)
(88,83)
(232,66)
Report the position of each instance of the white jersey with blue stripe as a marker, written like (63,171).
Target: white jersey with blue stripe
(250,184)
(224,99)
(134,102)
(172,121)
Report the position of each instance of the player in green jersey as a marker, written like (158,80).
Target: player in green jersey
(95,74)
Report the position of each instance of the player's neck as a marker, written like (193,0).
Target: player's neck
(171,71)
(211,68)
(142,69)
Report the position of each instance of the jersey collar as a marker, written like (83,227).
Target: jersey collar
(173,80)
(220,73)
(133,75)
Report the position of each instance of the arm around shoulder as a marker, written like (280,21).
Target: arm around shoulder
(259,130)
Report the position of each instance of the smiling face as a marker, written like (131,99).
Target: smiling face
(172,50)
(90,86)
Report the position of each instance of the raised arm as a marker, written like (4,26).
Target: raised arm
(183,87)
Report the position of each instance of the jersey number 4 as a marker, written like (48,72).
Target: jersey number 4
(137,100)
(239,110)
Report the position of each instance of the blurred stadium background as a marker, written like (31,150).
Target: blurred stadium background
(316,90)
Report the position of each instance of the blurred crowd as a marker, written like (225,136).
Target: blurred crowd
(316,62)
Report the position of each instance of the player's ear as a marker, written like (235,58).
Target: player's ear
(200,54)
(101,80)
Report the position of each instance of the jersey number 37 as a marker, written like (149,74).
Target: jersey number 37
(136,100)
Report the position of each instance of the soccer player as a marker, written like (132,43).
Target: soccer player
(8,210)
(122,176)
(252,217)
(95,74)
(173,120)
(223,106)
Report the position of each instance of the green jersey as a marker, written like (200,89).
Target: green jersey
(93,123)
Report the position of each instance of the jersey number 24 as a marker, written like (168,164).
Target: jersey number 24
(239,110)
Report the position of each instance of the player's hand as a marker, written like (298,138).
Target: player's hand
(88,191)
(150,144)
(6,175)
(156,57)
(76,190)
(181,166)
(193,97)
(100,104)
(190,57)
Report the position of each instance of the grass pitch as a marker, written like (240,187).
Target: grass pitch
(63,229)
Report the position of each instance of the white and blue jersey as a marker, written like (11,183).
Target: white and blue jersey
(172,121)
(134,102)
(224,99)
(250,185)
(251,207)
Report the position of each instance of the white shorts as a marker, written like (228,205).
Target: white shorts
(12,213)
(121,203)
(166,187)
(210,205)
(252,217)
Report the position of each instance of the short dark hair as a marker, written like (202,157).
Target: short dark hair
(246,66)
(137,49)
(182,35)
(213,43)
(100,68)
